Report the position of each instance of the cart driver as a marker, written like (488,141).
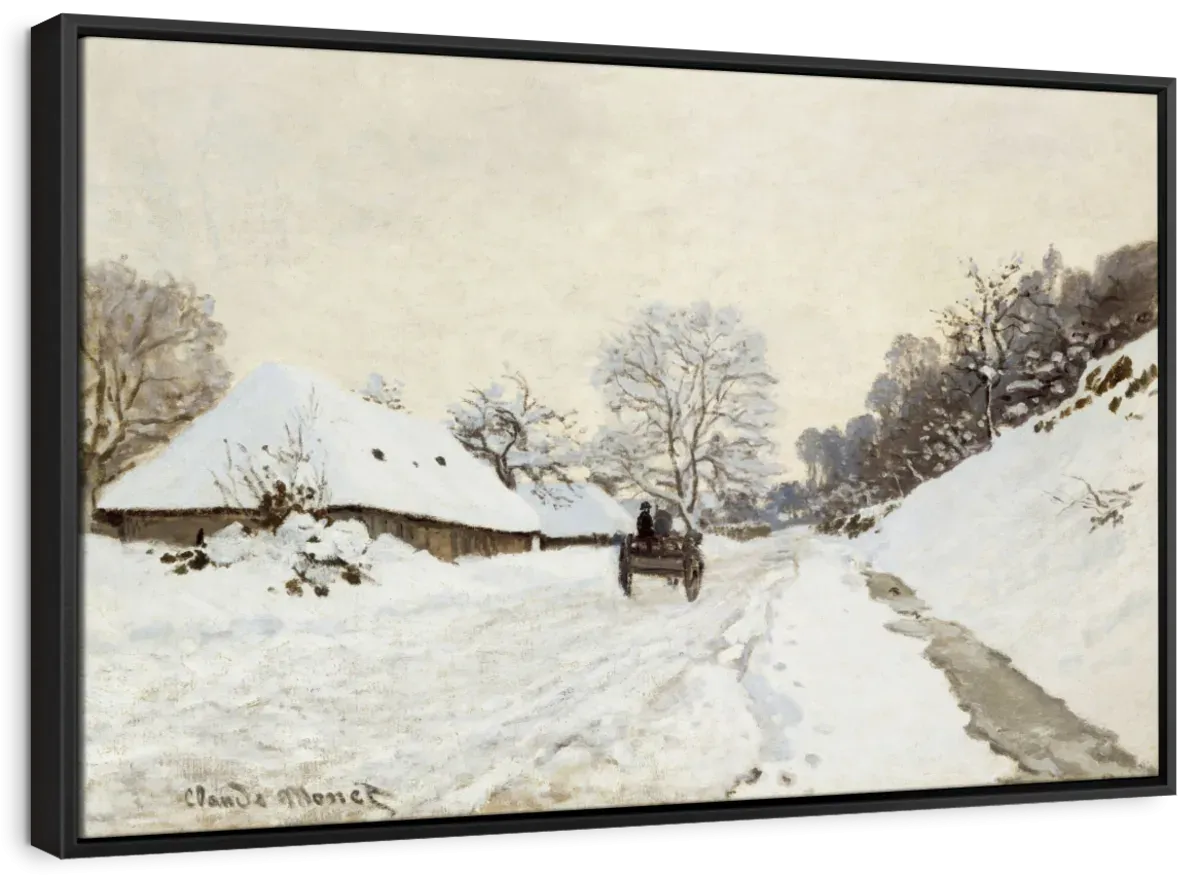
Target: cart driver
(645,524)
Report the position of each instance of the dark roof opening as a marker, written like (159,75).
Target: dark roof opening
(416,464)
(377,454)
(441,461)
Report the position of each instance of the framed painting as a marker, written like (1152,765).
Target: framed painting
(438,436)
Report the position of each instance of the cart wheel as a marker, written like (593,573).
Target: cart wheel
(692,572)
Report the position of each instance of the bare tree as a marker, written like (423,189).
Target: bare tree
(150,365)
(688,389)
(507,427)
(384,391)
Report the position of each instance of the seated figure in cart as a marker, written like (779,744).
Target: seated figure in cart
(663,525)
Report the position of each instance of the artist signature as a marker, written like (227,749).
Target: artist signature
(233,796)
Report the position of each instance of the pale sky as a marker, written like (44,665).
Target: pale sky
(434,218)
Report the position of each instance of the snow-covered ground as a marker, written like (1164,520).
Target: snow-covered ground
(518,682)
(988,545)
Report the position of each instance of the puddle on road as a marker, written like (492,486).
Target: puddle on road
(1009,711)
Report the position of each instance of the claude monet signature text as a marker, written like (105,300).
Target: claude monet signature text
(232,796)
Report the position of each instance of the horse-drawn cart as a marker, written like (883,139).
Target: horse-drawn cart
(675,558)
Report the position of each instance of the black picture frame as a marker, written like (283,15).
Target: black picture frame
(55,799)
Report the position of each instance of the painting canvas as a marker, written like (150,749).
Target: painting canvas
(467,435)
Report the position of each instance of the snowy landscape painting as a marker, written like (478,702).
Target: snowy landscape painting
(468,436)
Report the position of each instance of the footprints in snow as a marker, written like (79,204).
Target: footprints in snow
(784,778)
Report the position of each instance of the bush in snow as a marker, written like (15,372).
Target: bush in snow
(191,559)
(278,481)
(1098,385)
(319,554)
(230,545)
(856,524)
(325,554)
(385,392)
(1105,505)
(1144,380)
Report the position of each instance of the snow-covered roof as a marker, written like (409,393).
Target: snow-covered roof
(567,510)
(371,456)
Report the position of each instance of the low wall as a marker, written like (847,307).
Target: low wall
(443,540)
(742,534)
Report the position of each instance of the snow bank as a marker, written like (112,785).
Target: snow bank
(989,546)
(568,510)
(370,455)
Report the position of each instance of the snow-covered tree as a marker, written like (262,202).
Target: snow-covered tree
(1046,354)
(1118,300)
(508,428)
(975,328)
(689,393)
(149,365)
(384,391)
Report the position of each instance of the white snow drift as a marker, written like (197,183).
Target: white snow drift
(1004,544)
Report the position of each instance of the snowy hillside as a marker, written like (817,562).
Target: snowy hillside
(1005,545)
(369,455)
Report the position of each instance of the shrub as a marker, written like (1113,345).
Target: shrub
(1121,370)
(857,525)
(1140,383)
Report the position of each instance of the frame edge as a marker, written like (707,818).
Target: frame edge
(1173,527)
(55,536)
(48,713)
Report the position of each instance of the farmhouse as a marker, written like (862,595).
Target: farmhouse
(396,473)
(576,514)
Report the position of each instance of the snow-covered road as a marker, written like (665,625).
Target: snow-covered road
(517,682)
